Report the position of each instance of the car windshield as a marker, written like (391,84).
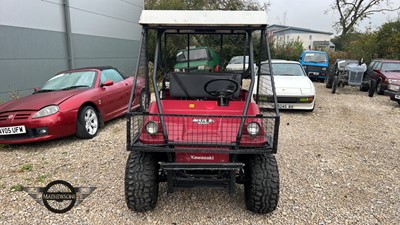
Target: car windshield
(283,69)
(194,54)
(315,57)
(239,60)
(391,66)
(72,80)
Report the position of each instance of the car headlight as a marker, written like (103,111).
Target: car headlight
(393,87)
(392,81)
(323,68)
(200,68)
(253,128)
(46,111)
(176,70)
(152,127)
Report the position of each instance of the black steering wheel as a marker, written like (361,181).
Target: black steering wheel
(223,91)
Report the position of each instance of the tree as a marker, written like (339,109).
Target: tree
(289,51)
(352,12)
(388,38)
(203,4)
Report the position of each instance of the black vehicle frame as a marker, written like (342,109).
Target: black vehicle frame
(222,151)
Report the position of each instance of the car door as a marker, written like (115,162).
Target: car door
(114,101)
(377,70)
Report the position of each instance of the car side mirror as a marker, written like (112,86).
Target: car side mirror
(35,89)
(300,59)
(107,83)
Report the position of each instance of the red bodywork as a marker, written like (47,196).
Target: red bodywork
(109,101)
(384,76)
(188,124)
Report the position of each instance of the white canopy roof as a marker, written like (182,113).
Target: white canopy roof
(203,18)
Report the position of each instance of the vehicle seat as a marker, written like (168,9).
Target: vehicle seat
(191,85)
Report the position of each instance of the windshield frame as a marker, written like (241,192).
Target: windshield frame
(314,57)
(68,79)
(265,69)
(191,52)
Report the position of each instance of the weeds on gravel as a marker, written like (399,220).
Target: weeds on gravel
(41,178)
(26,168)
(16,187)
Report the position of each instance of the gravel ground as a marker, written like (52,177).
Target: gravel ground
(338,165)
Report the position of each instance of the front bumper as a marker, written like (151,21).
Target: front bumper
(55,126)
(394,96)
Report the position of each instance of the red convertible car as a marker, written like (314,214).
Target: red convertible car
(72,102)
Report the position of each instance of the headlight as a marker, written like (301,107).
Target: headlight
(305,67)
(46,111)
(176,70)
(152,127)
(392,81)
(393,87)
(200,68)
(253,128)
(323,68)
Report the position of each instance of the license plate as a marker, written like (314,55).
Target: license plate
(397,96)
(283,106)
(12,130)
(313,73)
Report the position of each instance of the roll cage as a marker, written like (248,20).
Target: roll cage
(268,113)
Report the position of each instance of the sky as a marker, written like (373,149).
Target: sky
(311,14)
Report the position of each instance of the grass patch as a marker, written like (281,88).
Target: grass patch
(41,178)
(16,187)
(26,168)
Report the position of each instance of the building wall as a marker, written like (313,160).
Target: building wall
(33,43)
(305,37)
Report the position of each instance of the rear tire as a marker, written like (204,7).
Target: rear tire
(87,124)
(364,87)
(329,81)
(335,84)
(379,89)
(261,188)
(372,88)
(141,182)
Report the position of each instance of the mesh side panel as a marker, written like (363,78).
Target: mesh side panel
(203,131)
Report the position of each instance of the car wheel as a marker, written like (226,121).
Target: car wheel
(372,88)
(335,84)
(261,188)
(141,182)
(144,101)
(364,86)
(329,81)
(87,123)
(379,88)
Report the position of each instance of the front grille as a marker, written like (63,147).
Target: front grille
(22,115)
(288,100)
(201,132)
(3,117)
(264,100)
(314,68)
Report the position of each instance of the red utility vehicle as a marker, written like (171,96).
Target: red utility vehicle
(203,129)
